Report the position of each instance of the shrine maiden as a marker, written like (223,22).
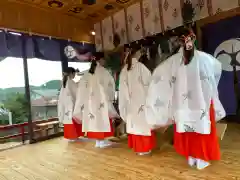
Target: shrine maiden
(94,105)
(66,102)
(134,82)
(184,89)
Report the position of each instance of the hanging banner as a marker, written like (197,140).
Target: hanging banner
(223,5)
(120,28)
(151,17)
(107,33)
(98,37)
(76,52)
(43,48)
(226,48)
(172,15)
(135,31)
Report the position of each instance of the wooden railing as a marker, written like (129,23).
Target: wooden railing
(21,128)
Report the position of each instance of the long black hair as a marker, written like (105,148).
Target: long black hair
(66,73)
(135,47)
(96,57)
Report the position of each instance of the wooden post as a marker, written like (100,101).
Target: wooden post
(142,19)
(126,22)
(210,9)
(161,15)
(27,88)
(101,31)
(23,133)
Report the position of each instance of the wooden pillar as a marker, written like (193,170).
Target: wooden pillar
(142,19)
(210,9)
(161,15)
(101,31)
(126,22)
(27,88)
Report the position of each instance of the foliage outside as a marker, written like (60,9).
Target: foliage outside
(17,104)
(13,100)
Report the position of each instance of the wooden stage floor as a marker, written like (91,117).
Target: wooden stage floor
(58,160)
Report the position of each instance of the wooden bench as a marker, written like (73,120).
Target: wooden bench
(45,127)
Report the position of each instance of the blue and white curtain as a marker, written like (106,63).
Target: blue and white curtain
(44,48)
(222,39)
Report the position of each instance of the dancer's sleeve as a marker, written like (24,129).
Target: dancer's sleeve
(159,97)
(80,97)
(110,89)
(145,76)
(123,103)
(60,106)
(110,86)
(220,113)
(72,86)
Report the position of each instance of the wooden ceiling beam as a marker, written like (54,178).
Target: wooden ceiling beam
(38,18)
(26,18)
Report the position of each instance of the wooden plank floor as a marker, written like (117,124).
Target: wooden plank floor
(58,160)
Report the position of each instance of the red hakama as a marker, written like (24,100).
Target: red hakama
(72,131)
(142,144)
(200,146)
(101,135)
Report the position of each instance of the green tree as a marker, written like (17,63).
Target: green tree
(3,116)
(17,104)
(53,84)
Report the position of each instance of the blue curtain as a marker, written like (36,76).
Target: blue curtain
(40,47)
(213,35)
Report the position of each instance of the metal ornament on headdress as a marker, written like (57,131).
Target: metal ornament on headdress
(126,56)
(159,50)
(148,53)
(142,50)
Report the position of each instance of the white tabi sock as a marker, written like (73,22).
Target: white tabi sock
(97,145)
(201,164)
(105,143)
(144,153)
(71,140)
(192,161)
(82,139)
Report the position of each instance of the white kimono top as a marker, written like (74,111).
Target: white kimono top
(66,102)
(133,88)
(94,104)
(183,93)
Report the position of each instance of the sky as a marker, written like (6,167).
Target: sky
(40,71)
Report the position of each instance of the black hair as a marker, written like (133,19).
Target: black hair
(146,62)
(116,40)
(129,60)
(135,47)
(98,56)
(66,73)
